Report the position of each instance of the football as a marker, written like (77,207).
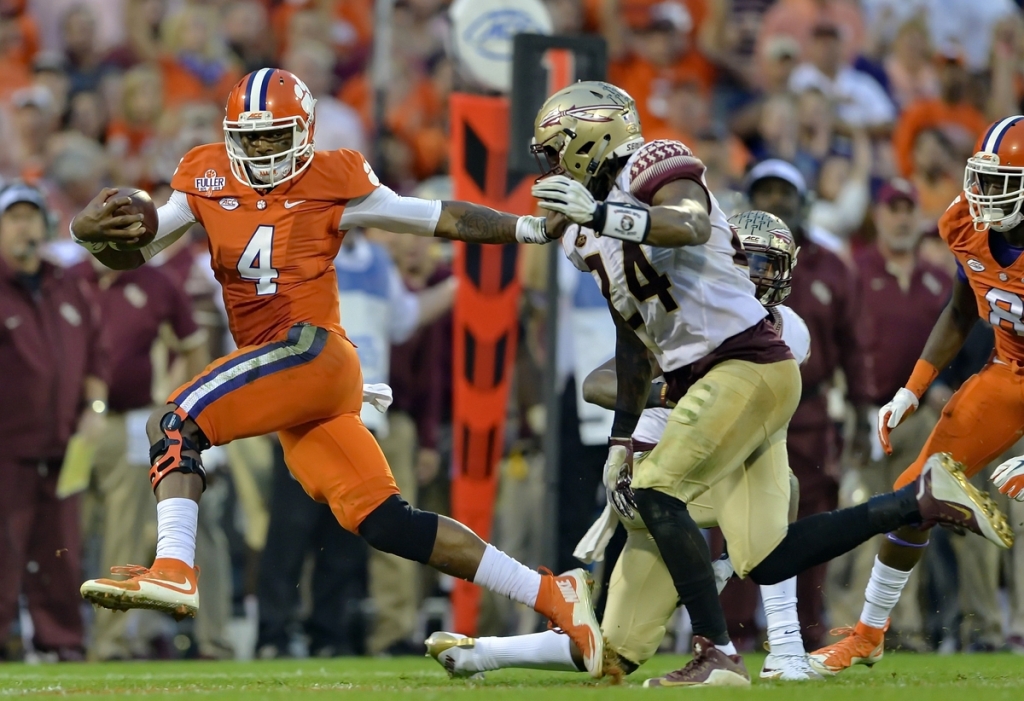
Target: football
(141,203)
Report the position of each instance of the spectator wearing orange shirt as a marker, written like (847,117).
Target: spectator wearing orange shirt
(937,174)
(347,25)
(951,112)
(659,53)
(130,136)
(798,18)
(195,64)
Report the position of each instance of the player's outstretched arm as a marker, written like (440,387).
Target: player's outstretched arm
(678,215)
(474,223)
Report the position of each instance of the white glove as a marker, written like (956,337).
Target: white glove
(560,193)
(618,475)
(378,396)
(890,415)
(1009,478)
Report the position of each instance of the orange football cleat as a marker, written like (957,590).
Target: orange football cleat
(566,600)
(169,586)
(862,645)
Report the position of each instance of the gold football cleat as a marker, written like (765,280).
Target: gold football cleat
(444,646)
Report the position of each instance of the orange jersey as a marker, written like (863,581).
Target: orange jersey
(273,253)
(999,290)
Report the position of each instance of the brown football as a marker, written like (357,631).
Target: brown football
(141,203)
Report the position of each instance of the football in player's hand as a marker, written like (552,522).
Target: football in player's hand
(141,203)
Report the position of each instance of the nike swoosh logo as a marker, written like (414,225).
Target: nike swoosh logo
(289,205)
(189,588)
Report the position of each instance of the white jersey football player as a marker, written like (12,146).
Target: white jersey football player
(670,267)
(641,597)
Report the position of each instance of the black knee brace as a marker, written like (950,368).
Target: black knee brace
(165,455)
(397,528)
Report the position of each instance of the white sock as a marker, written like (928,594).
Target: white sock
(547,650)
(882,593)
(728,648)
(783,624)
(508,577)
(176,522)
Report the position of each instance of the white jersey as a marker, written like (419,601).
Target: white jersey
(683,302)
(790,327)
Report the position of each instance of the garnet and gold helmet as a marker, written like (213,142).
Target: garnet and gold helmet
(269,100)
(771,254)
(581,127)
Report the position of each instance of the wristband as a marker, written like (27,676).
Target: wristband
(922,377)
(622,221)
(656,397)
(532,230)
(92,247)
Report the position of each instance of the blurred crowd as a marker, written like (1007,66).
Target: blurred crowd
(861,114)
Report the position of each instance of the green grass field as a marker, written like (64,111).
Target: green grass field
(897,678)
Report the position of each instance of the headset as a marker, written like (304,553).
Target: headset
(20,191)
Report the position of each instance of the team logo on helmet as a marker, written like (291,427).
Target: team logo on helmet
(587,113)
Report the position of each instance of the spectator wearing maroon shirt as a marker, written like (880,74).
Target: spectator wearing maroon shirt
(825,295)
(144,315)
(53,371)
(901,297)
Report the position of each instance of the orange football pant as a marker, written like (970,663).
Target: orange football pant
(309,389)
(981,421)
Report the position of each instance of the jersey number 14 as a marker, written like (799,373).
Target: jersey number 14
(255,262)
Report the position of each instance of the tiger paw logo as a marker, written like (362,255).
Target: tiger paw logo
(210,182)
(305,98)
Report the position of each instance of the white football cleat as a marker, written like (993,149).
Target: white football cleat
(788,668)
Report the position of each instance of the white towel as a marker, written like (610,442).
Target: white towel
(378,396)
(591,546)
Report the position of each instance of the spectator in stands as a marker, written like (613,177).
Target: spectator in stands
(912,73)
(825,296)
(800,18)
(659,51)
(139,309)
(247,32)
(35,120)
(337,124)
(77,170)
(54,366)
(860,100)
(901,297)
(131,135)
(843,189)
(87,115)
(951,111)
(937,174)
(196,64)
(83,60)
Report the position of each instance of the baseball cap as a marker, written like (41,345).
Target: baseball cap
(896,189)
(20,192)
(776,168)
(670,15)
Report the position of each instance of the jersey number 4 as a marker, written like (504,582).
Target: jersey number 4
(255,263)
(635,264)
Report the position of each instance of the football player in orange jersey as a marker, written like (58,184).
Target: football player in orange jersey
(276,213)
(984,228)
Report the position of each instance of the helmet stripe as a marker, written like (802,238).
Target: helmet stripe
(256,90)
(995,135)
(248,91)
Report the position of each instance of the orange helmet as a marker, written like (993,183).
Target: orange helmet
(994,177)
(269,99)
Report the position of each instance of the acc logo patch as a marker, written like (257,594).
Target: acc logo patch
(210,181)
(975,265)
(229,203)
